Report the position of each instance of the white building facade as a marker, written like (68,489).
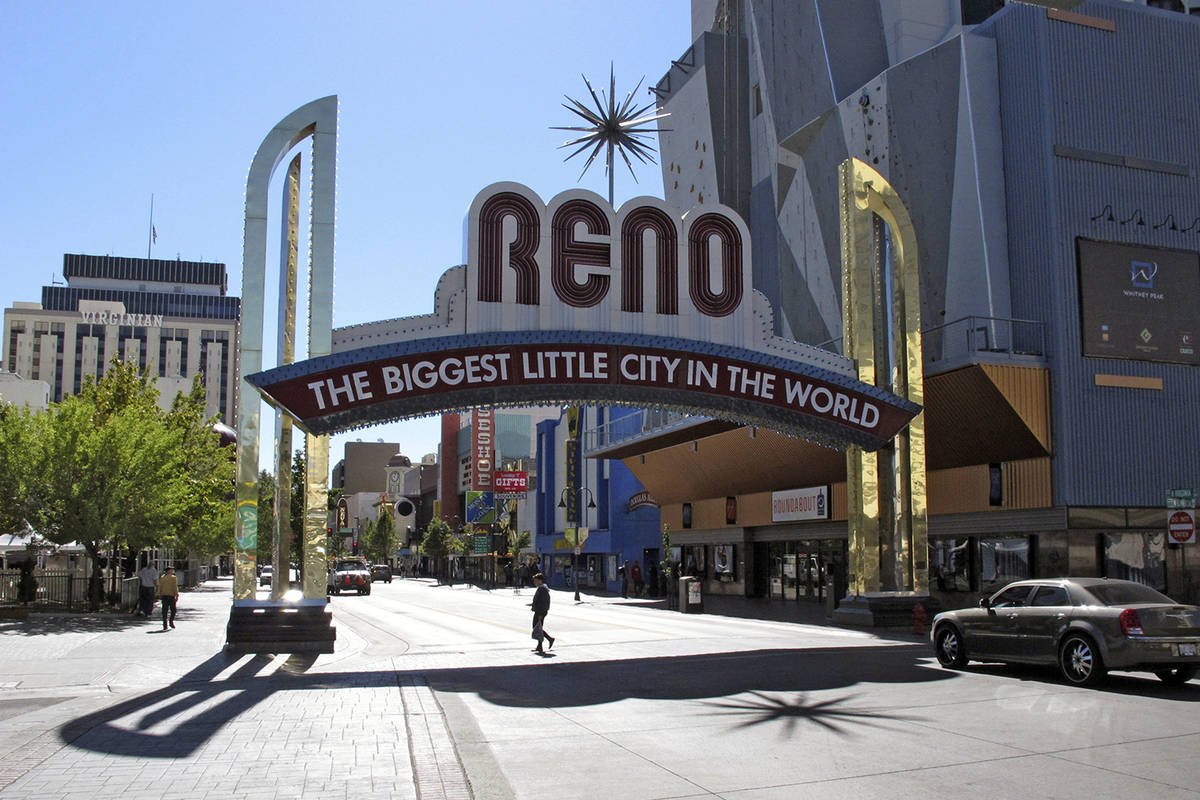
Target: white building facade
(171,318)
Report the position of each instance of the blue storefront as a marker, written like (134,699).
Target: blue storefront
(598,501)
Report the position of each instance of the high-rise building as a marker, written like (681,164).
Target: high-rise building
(172,318)
(1045,154)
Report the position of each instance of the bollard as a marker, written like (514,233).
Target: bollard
(919,619)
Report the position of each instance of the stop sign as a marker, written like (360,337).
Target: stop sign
(1181,525)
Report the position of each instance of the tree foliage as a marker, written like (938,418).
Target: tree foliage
(108,469)
(436,541)
(297,497)
(266,515)
(381,538)
(20,440)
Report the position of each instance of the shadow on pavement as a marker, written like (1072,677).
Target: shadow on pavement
(749,688)
(1139,684)
(173,722)
(41,622)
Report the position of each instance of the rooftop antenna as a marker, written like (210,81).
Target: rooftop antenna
(152,235)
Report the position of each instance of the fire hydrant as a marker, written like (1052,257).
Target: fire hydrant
(919,619)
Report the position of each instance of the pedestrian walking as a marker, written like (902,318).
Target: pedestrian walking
(147,577)
(652,583)
(635,572)
(167,590)
(625,579)
(541,607)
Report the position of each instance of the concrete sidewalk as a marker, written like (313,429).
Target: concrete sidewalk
(104,705)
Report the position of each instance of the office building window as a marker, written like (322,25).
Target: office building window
(16,330)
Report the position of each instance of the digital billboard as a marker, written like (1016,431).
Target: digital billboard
(1139,302)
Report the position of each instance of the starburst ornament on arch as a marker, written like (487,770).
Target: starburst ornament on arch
(612,128)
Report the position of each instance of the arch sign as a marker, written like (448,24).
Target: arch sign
(575,302)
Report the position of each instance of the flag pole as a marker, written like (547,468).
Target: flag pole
(150,233)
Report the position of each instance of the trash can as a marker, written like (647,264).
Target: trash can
(690,600)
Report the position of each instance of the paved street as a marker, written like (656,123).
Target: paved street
(433,693)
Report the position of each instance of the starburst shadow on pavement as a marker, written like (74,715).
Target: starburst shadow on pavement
(832,715)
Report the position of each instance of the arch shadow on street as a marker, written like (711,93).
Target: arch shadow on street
(754,687)
(204,700)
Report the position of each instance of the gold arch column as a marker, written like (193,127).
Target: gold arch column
(881,317)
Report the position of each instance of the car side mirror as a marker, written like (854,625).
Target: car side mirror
(985,602)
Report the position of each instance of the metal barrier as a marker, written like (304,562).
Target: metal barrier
(67,590)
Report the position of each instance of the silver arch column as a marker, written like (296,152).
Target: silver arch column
(316,120)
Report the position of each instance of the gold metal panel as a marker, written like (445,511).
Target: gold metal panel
(1129,382)
(886,499)
(1086,20)
(316,515)
(288,257)
(1014,400)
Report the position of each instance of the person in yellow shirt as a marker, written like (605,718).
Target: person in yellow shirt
(167,589)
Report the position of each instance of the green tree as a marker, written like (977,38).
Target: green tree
(299,492)
(435,544)
(266,516)
(381,541)
(335,545)
(20,434)
(111,471)
(202,518)
(518,541)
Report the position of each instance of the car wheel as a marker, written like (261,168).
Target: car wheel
(1080,662)
(1176,676)
(949,646)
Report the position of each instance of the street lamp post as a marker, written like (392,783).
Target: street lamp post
(562,503)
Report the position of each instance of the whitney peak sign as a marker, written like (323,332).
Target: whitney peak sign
(573,302)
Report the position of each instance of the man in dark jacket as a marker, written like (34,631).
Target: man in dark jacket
(541,607)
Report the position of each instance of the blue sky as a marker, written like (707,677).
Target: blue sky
(105,104)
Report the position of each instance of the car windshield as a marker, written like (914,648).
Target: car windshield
(1119,594)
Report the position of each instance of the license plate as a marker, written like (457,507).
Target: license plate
(1187,649)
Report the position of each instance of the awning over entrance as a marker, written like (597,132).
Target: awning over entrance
(730,461)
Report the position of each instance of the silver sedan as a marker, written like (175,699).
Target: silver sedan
(1086,626)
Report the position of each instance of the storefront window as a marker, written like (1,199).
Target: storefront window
(1136,557)
(950,564)
(724,565)
(693,561)
(1002,560)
